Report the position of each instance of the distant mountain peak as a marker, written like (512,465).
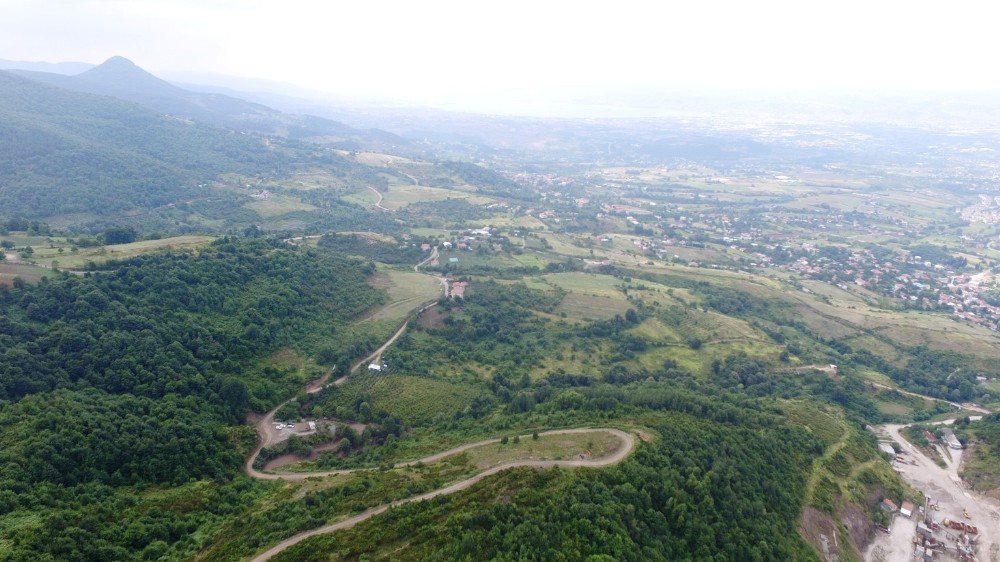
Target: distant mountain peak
(116,64)
(118,61)
(123,73)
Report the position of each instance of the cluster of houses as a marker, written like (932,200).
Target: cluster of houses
(987,211)
(906,276)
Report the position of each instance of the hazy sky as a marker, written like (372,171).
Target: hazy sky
(431,50)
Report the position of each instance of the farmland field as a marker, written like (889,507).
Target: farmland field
(58,251)
(28,273)
(416,400)
(400,195)
(407,289)
(278,205)
(582,307)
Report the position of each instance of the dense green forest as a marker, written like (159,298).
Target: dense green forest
(174,323)
(145,367)
(722,482)
(90,161)
(111,155)
(139,374)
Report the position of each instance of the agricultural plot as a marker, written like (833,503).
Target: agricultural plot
(400,195)
(586,283)
(508,220)
(407,290)
(58,252)
(589,307)
(415,400)
(278,205)
(28,273)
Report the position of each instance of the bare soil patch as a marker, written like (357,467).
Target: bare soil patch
(433,317)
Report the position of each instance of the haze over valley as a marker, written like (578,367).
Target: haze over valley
(297,283)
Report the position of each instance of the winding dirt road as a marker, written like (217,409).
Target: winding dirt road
(266,433)
(376,355)
(380,198)
(970,407)
(628,444)
(265,426)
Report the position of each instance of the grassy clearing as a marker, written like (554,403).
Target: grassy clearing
(278,205)
(467,259)
(308,181)
(407,290)
(531,260)
(401,195)
(380,159)
(587,283)
(700,361)
(508,220)
(28,273)
(431,232)
(590,307)
(289,361)
(567,446)
(415,400)
(364,197)
(58,251)
(591,297)
(563,244)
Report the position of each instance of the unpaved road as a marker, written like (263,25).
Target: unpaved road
(970,407)
(265,426)
(628,444)
(428,259)
(376,355)
(380,198)
(266,434)
(945,487)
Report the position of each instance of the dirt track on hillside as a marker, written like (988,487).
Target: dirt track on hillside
(628,444)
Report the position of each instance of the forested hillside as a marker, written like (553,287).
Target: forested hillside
(722,481)
(63,152)
(141,374)
(121,78)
